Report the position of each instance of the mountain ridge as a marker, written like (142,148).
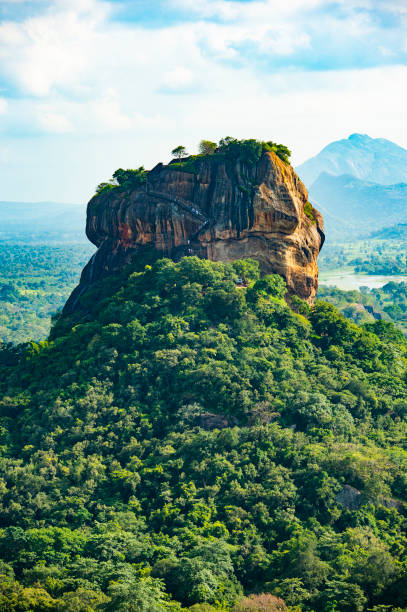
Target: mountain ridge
(373,159)
(360,185)
(356,208)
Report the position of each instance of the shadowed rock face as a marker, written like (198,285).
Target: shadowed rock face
(225,210)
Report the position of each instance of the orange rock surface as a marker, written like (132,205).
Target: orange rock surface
(224,210)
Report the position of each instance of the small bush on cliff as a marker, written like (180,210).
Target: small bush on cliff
(280,150)
(130,178)
(271,284)
(125,179)
(103,187)
(309,212)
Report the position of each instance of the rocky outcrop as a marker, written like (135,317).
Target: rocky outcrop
(220,210)
(350,498)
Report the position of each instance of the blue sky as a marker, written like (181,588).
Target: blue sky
(87,86)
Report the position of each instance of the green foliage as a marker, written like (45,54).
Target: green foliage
(104,187)
(192,442)
(309,212)
(130,178)
(124,179)
(270,285)
(389,304)
(280,150)
(251,150)
(179,152)
(133,594)
(206,147)
(248,151)
(248,270)
(35,282)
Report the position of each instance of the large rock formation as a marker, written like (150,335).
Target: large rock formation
(222,210)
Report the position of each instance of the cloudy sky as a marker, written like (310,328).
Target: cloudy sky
(87,86)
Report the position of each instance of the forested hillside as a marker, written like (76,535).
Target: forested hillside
(388,303)
(188,439)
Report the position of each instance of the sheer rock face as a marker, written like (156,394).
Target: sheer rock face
(225,210)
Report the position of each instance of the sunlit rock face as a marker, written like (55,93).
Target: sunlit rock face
(223,210)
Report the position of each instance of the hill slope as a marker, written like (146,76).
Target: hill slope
(191,439)
(370,159)
(352,207)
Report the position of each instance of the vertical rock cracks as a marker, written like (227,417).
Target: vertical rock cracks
(223,210)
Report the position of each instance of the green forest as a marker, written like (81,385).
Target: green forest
(371,256)
(188,443)
(35,282)
(388,303)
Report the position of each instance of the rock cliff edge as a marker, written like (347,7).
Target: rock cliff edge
(220,210)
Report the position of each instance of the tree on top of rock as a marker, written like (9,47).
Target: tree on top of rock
(207,147)
(179,152)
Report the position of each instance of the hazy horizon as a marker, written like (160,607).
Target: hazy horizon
(91,85)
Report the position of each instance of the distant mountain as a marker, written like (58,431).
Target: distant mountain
(369,159)
(42,220)
(359,184)
(353,208)
(394,232)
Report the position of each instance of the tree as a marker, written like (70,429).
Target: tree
(102,187)
(130,178)
(247,269)
(271,284)
(206,147)
(82,600)
(280,150)
(248,151)
(343,596)
(264,602)
(143,594)
(179,152)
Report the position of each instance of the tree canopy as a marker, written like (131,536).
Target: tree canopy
(189,442)
(179,152)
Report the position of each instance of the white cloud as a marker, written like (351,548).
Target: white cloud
(54,49)
(101,88)
(53,122)
(178,79)
(107,114)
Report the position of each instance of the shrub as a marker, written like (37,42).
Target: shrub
(264,602)
(126,179)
